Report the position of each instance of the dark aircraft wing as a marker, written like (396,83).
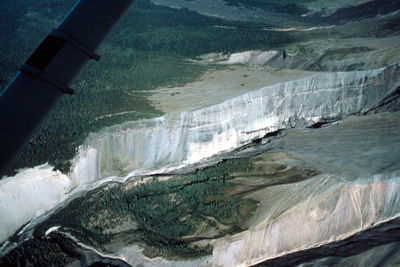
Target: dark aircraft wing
(49,71)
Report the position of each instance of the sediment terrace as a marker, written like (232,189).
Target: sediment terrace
(189,137)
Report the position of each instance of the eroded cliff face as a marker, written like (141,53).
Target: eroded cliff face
(188,137)
(312,213)
(181,139)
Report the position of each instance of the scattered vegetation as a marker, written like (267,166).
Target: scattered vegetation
(167,217)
